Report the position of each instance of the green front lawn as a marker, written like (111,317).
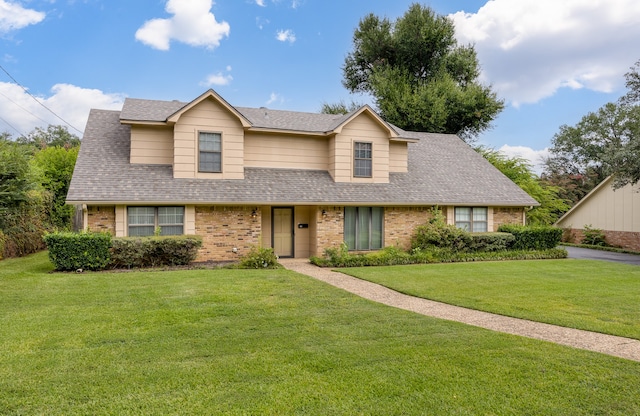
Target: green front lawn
(592,295)
(270,342)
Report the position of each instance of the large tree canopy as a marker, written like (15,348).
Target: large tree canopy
(419,76)
(604,142)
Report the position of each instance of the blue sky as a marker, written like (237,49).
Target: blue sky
(552,61)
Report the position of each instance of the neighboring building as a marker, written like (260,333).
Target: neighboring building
(615,212)
(297,182)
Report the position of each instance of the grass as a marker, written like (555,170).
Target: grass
(592,295)
(270,342)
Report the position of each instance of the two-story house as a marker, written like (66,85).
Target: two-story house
(297,182)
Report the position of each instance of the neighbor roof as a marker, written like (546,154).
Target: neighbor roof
(442,169)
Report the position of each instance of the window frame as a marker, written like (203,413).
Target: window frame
(374,232)
(201,152)
(156,221)
(470,224)
(368,160)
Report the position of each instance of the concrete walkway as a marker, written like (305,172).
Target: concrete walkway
(606,344)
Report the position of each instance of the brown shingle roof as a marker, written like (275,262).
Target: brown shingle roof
(442,170)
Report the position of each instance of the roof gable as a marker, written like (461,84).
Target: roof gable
(365,109)
(210,94)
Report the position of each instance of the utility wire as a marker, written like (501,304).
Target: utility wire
(18,105)
(38,101)
(9,124)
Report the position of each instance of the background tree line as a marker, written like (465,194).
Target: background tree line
(35,172)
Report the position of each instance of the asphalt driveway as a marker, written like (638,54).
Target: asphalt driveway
(587,253)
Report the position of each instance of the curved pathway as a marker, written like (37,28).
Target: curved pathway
(593,341)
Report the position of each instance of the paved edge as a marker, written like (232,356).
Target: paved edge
(607,344)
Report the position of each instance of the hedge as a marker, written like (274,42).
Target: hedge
(491,241)
(134,252)
(78,251)
(533,238)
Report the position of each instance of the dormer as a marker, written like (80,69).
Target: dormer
(208,138)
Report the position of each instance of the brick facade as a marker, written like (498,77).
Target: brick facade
(329,228)
(101,218)
(400,222)
(506,215)
(225,228)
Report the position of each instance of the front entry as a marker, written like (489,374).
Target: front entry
(282,234)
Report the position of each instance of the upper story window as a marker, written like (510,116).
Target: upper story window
(210,152)
(362,160)
(472,219)
(143,221)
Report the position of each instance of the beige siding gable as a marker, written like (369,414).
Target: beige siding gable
(363,128)
(606,209)
(151,145)
(208,116)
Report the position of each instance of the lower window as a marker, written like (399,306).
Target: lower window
(143,221)
(472,219)
(363,227)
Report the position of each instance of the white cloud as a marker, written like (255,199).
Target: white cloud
(286,36)
(261,3)
(217,79)
(535,157)
(13,16)
(70,102)
(274,97)
(529,49)
(192,23)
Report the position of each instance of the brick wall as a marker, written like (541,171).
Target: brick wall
(506,215)
(102,218)
(624,239)
(400,222)
(329,228)
(225,228)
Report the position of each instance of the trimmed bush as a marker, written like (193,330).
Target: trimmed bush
(437,233)
(491,241)
(138,252)
(533,238)
(78,251)
(259,258)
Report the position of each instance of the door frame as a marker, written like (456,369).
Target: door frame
(293,229)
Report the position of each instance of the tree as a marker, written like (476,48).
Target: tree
(54,166)
(420,78)
(605,142)
(15,176)
(52,136)
(339,107)
(552,206)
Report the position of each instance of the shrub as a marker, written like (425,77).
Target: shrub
(437,233)
(74,251)
(259,258)
(136,252)
(491,241)
(593,236)
(539,237)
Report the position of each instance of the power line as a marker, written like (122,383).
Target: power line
(9,124)
(21,107)
(38,101)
